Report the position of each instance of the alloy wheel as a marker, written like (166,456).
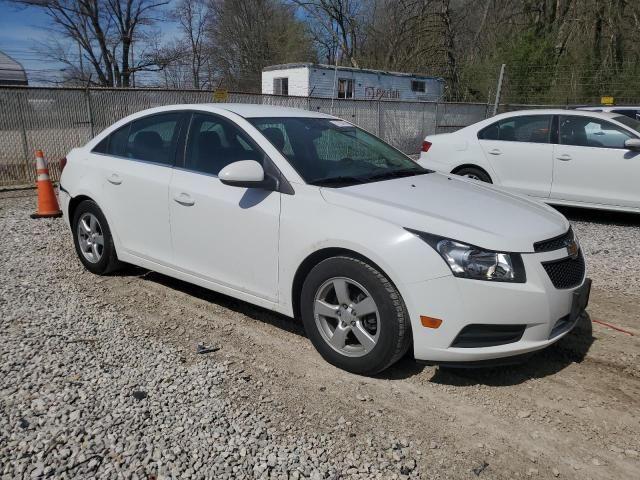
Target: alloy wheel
(90,237)
(347,317)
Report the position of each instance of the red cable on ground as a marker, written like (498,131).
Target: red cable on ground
(612,326)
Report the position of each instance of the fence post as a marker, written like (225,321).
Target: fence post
(379,124)
(435,118)
(23,104)
(499,90)
(89,112)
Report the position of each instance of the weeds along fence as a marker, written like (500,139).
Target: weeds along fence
(59,119)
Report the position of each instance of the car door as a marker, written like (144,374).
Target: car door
(136,183)
(520,152)
(224,234)
(592,165)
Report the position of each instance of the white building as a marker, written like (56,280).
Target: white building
(326,81)
(11,72)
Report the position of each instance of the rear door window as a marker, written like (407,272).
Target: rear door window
(528,128)
(154,138)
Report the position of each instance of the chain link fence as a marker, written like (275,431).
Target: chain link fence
(56,120)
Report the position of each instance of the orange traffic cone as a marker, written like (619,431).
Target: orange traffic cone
(47,201)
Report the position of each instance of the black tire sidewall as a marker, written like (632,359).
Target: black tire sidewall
(475,171)
(107,261)
(383,353)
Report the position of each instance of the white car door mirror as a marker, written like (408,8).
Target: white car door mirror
(244,173)
(632,144)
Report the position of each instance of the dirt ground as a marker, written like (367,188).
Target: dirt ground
(571,411)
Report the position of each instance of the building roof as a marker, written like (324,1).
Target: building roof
(287,66)
(11,72)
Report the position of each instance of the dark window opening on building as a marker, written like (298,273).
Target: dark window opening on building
(281,86)
(345,88)
(418,86)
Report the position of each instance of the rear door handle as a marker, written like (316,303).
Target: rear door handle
(564,157)
(115,179)
(184,199)
(495,151)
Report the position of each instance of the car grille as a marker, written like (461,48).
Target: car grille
(555,243)
(566,273)
(487,335)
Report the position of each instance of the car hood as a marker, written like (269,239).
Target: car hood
(456,208)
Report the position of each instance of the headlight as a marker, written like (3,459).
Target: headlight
(468,261)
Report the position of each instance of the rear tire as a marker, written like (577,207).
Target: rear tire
(364,342)
(474,173)
(92,239)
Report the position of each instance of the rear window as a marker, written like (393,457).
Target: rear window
(152,139)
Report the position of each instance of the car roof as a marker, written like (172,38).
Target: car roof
(248,110)
(245,110)
(607,108)
(556,111)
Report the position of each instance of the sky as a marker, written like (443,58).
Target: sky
(23,31)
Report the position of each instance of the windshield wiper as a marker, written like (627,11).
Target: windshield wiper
(339,180)
(380,175)
(406,172)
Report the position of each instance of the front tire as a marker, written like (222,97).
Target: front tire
(474,173)
(92,239)
(354,316)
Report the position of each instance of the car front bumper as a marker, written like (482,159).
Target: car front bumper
(546,312)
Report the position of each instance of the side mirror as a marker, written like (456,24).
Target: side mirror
(245,173)
(632,144)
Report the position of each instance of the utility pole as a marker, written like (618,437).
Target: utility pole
(131,67)
(499,89)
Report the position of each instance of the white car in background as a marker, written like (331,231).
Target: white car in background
(628,111)
(306,214)
(563,157)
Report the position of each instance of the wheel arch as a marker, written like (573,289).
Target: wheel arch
(472,165)
(74,202)
(314,259)
(81,197)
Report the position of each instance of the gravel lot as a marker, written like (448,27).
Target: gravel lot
(100,377)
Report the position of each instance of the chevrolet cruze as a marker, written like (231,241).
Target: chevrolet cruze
(310,216)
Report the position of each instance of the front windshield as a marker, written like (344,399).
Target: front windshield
(330,152)
(629,122)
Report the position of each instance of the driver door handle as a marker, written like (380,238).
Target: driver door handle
(564,157)
(184,199)
(115,179)
(495,151)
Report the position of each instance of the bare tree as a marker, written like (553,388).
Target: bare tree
(247,35)
(104,31)
(338,23)
(192,17)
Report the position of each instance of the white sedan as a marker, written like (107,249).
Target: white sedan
(307,215)
(563,157)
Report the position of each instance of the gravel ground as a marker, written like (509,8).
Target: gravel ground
(610,242)
(100,377)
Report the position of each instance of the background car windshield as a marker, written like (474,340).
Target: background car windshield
(629,122)
(324,149)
